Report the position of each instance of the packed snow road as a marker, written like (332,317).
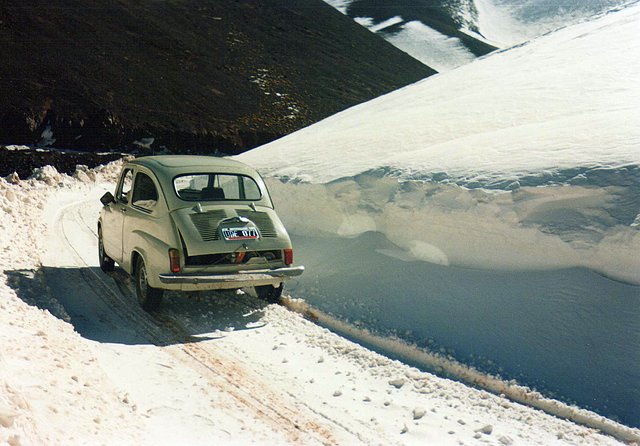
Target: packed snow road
(103,309)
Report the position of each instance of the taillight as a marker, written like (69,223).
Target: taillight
(288,256)
(174,260)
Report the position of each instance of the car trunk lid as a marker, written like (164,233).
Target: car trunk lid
(207,229)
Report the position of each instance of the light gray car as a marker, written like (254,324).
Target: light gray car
(194,223)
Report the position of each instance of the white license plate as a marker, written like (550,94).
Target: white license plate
(240,233)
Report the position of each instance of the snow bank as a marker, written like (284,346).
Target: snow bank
(48,379)
(529,228)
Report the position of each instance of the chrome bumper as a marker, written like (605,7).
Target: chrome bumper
(256,275)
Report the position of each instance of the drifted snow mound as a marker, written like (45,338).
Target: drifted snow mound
(527,159)
(530,228)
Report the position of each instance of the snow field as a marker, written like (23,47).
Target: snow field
(556,130)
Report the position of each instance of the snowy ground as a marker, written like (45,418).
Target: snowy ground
(82,364)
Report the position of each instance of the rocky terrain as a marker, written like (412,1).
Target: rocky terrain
(22,162)
(211,77)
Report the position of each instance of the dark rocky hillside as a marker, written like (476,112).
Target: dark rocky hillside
(207,76)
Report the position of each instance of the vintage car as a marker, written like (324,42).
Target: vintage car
(194,223)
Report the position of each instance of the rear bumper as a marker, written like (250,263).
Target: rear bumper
(193,282)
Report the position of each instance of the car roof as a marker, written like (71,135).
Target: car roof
(188,162)
(168,167)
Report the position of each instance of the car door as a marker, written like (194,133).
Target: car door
(113,218)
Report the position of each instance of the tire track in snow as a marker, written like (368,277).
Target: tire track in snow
(222,372)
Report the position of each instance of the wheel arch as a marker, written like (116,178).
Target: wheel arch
(135,256)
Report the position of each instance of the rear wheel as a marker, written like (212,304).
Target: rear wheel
(148,297)
(106,263)
(270,293)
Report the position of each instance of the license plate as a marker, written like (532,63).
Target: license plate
(240,233)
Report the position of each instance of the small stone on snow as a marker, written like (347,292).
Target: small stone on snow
(487,430)
(397,383)
(507,441)
(418,413)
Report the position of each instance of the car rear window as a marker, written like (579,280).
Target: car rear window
(216,187)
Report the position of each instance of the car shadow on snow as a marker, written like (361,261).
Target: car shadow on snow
(103,308)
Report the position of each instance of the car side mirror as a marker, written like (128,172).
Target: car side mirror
(107,198)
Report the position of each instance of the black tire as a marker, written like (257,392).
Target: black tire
(270,293)
(148,297)
(106,263)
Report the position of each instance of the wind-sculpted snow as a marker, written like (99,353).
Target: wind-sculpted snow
(594,223)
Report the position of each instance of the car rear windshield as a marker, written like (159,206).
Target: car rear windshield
(216,187)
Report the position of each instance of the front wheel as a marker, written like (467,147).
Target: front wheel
(270,293)
(106,263)
(148,297)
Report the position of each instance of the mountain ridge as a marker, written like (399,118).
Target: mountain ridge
(217,78)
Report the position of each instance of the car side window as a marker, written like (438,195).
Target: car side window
(145,193)
(125,186)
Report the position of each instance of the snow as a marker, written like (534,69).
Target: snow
(501,23)
(523,165)
(82,364)
(540,125)
(505,23)
(502,194)
(434,49)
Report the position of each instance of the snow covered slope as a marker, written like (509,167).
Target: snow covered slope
(445,34)
(510,22)
(491,213)
(561,110)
